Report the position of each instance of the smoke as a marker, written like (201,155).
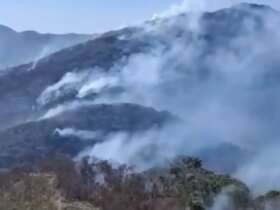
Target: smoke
(223,200)
(46,50)
(198,6)
(262,173)
(193,6)
(227,200)
(219,74)
(68,83)
(82,134)
(143,150)
(64,107)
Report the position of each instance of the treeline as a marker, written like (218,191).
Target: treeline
(184,184)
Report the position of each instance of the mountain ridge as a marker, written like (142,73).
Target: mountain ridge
(23,47)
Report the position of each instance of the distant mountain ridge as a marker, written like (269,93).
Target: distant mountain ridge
(23,47)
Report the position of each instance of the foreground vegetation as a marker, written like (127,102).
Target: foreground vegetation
(61,184)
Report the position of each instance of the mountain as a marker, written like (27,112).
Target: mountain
(199,84)
(75,130)
(92,72)
(202,84)
(23,47)
(21,88)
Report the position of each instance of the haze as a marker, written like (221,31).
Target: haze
(90,16)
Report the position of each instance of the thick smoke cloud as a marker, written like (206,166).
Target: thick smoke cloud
(224,91)
(262,173)
(204,5)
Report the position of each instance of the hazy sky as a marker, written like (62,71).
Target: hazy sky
(85,16)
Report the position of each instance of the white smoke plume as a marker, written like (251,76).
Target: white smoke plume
(82,134)
(223,200)
(223,93)
(46,50)
(262,173)
(60,109)
(193,6)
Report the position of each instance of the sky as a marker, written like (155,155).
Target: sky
(90,16)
